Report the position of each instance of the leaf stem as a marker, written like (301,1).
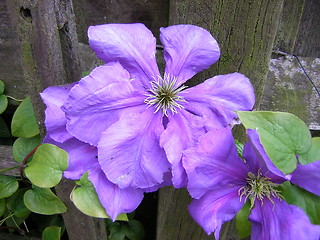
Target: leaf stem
(8,169)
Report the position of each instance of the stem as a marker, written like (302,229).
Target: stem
(24,162)
(8,169)
(13,98)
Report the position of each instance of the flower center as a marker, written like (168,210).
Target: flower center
(259,187)
(164,95)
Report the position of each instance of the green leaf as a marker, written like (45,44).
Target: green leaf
(283,136)
(307,201)
(51,233)
(4,130)
(117,231)
(23,146)
(2,206)
(239,147)
(313,154)
(24,123)
(47,165)
(86,73)
(15,203)
(134,230)
(1,86)
(43,201)
(86,199)
(243,225)
(8,186)
(3,103)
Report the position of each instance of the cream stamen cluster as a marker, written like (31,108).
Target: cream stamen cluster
(164,95)
(259,187)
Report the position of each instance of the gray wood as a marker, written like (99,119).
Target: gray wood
(47,44)
(289,25)
(153,13)
(307,43)
(288,88)
(7,161)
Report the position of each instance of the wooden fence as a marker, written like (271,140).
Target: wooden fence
(44,43)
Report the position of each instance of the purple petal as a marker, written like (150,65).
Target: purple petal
(214,162)
(99,100)
(217,98)
(112,198)
(82,157)
(308,177)
(215,208)
(181,132)
(129,151)
(257,158)
(55,119)
(133,45)
(188,50)
(281,221)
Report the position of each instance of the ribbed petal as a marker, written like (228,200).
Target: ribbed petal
(55,119)
(188,50)
(98,101)
(217,98)
(129,151)
(214,163)
(181,132)
(112,198)
(82,157)
(215,208)
(133,45)
(258,160)
(281,221)
(308,177)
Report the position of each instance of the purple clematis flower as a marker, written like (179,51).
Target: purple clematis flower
(83,157)
(141,121)
(221,182)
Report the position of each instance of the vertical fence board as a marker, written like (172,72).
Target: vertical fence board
(48,48)
(153,13)
(246,32)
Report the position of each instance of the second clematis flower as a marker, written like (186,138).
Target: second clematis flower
(141,121)
(221,182)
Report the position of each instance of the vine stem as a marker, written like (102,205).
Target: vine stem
(24,162)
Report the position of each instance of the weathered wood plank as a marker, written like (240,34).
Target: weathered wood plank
(48,46)
(288,89)
(246,32)
(289,25)
(307,43)
(153,13)
(7,161)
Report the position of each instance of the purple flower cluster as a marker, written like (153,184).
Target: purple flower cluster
(126,124)
(221,182)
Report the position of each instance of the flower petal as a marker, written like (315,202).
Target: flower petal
(182,131)
(281,221)
(98,101)
(129,151)
(55,119)
(188,50)
(308,177)
(82,157)
(217,98)
(214,208)
(133,45)
(257,159)
(112,198)
(214,162)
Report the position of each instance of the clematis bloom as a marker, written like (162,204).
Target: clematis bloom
(139,120)
(83,157)
(221,182)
